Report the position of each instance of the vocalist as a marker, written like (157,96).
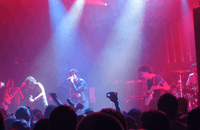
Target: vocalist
(79,92)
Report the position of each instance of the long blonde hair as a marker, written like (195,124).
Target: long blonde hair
(30,79)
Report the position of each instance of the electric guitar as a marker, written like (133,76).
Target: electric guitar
(7,100)
(150,94)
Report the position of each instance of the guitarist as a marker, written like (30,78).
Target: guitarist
(12,96)
(34,94)
(155,84)
(79,92)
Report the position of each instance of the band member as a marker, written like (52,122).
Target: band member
(12,97)
(192,85)
(193,78)
(156,86)
(34,94)
(79,92)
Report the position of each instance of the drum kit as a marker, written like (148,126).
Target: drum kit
(183,91)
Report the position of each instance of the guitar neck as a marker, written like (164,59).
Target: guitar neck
(15,92)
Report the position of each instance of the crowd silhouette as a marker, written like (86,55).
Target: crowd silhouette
(172,114)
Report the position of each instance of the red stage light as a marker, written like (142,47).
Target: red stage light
(95,2)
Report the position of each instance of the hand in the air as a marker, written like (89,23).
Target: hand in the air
(31,99)
(113,97)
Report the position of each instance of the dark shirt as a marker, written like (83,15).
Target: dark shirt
(79,92)
(156,80)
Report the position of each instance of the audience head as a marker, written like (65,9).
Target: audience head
(154,120)
(117,115)
(20,125)
(135,113)
(183,105)
(63,117)
(88,111)
(2,121)
(80,117)
(33,124)
(42,124)
(193,119)
(38,114)
(131,122)
(124,113)
(23,113)
(48,110)
(99,121)
(4,112)
(9,122)
(168,104)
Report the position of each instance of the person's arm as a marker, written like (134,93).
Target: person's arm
(19,96)
(56,100)
(80,88)
(161,84)
(189,81)
(41,93)
(114,98)
(77,107)
(165,86)
(20,92)
(24,86)
(117,106)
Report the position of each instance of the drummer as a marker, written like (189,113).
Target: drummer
(192,85)
(192,82)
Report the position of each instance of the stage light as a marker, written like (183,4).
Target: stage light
(95,2)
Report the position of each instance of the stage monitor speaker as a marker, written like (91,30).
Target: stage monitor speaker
(196,17)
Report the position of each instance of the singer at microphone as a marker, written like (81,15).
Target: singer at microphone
(79,92)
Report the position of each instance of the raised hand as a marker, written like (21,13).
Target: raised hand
(31,99)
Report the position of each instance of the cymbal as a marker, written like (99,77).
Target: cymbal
(181,71)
